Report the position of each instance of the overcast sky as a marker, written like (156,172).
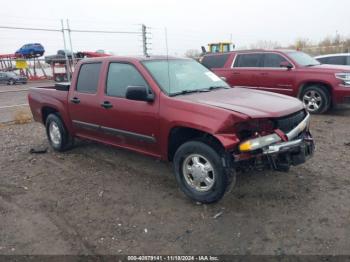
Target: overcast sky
(189,24)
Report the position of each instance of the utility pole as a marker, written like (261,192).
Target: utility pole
(65,52)
(144,40)
(70,42)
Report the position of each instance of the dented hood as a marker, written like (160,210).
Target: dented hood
(253,103)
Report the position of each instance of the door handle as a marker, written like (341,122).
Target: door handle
(236,73)
(75,100)
(107,104)
(264,74)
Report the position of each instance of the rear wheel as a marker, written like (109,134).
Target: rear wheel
(200,173)
(11,82)
(316,99)
(57,134)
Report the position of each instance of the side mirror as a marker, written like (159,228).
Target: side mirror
(139,93)
(286,64)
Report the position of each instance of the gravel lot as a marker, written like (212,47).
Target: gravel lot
(96,199)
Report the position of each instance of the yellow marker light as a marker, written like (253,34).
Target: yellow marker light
(246,146)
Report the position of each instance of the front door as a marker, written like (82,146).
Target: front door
(273,77)
(128,123)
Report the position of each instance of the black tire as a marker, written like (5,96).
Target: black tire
(321,100)
(11,82)
(222,177)
(66,141)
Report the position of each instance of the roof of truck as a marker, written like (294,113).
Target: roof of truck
(137,58)
(254,51)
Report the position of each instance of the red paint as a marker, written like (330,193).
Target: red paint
(217,113)
(283,80)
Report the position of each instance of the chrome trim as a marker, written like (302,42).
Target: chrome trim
(277,148)
(299,128)
(114,131)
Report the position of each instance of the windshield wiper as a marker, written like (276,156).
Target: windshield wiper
(183,92)
(311,65)
(217,87)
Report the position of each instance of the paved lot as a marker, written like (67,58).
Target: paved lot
(13,100)
(101,200)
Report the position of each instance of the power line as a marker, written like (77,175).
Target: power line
(104,32)
(30,28)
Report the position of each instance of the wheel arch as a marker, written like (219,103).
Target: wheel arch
(324,85)
(46,111)
(179,135)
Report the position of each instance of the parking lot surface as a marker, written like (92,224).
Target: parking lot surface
(13,100)
(96,199)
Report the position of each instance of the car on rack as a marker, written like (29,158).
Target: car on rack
(176,110)
(288,72)
(334,59)
(31,50)
(11,78)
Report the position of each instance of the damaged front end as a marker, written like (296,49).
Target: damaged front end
(275,143)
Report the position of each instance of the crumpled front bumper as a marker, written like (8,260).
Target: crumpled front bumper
(281,156)
(293,148)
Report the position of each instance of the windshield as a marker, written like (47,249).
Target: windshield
(179,76)
(303,59)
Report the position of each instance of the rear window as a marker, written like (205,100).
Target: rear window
(215,61)
(248,60)
(88,78)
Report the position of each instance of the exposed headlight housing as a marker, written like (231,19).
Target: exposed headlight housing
(345,77)
(259,142)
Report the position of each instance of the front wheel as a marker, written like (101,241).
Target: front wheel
(57,134)
(316,99)
(11,82)
(200,173)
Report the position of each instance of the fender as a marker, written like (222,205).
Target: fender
(39,101)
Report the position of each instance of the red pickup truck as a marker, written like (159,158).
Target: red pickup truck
(287,72)
(179,111)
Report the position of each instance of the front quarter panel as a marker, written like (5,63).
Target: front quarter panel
(215,121)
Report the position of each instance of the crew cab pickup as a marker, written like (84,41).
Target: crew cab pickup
(178,111)
(286,72)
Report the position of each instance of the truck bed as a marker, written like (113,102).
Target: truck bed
(41,98)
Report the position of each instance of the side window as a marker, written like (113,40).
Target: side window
(88,78)
(323,60)
(348,60)
(248,60)
(273,60)
(336,60)
(215,61)
(120,76)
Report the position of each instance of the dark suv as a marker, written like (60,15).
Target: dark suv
(287,72)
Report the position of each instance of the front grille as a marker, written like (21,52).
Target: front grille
(287,123)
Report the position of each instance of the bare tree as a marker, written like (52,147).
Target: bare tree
(265,44)
(192,53)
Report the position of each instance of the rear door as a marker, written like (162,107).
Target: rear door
(273,77)
(245,69)
(83,100)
